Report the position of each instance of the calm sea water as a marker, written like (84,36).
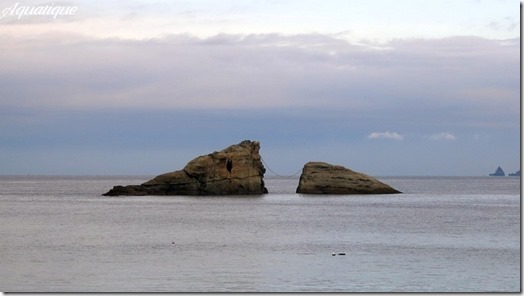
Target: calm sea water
(58,234)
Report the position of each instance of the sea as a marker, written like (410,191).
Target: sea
(442,234)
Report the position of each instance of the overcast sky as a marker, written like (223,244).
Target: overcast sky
(141,87)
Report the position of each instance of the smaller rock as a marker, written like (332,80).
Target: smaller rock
(325,178)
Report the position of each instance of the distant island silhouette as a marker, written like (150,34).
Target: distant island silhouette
(498,173)
(515,174)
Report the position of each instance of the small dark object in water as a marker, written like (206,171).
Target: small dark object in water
(333,254)
(172,243)
(342,254)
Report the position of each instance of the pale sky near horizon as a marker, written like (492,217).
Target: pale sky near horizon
(375,21)
(406,87)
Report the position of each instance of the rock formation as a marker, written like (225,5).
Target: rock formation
(236,170)
(498,173)
(515,174)
(324,178)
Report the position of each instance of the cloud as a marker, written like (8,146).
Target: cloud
(386,135)
(412,85)
(442,136)
(255,71)
(506,24)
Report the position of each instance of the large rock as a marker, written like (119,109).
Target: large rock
(324,178)
(236,170)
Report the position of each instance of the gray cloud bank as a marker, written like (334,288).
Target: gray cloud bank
(258,71)
(291,91)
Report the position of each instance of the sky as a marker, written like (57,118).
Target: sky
(403,87)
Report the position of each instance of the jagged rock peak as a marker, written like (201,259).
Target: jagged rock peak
(498,173)
(235,170)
